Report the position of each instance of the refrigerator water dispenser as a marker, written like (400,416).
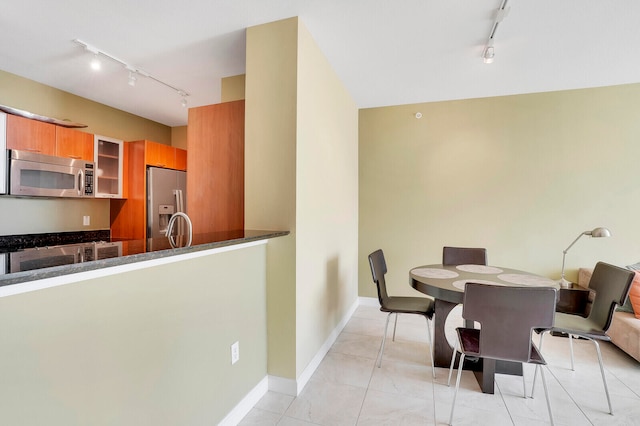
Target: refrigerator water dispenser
(165,211)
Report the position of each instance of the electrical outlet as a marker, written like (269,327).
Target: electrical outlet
(235,352)
(86,220)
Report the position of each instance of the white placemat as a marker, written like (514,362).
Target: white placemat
(480,269)
(460,283)
(434,273)
(530,280)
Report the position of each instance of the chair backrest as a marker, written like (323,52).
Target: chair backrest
(464,256)
(507,317)
(611,285)
(378,270)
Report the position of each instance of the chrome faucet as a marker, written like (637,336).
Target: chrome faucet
(172,220)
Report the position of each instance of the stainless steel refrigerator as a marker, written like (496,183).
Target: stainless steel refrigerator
(166,195)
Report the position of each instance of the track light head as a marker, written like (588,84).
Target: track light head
(95,63)
(488,55)
(132,78)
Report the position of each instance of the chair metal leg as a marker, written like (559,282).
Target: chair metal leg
(433,366)
(455,394)
(535,374)
(546,393)
(453,361)
(571,350)
(604,378)
(395,325)
(524,387)
(384,338)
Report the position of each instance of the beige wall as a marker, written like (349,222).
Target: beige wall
(179,137)
(35,216)
(326,200)
(145,347)
(301,124)
(520,175)
(232,88)
(270,175)
(19,92)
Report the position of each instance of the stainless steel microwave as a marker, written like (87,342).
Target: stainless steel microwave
(34,174)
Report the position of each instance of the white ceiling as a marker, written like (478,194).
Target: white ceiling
(386,52)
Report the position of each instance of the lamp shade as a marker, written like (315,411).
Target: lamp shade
(599,232)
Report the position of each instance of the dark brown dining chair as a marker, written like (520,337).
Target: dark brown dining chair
(507,317)
(464,256)
(399,304)
(611,285)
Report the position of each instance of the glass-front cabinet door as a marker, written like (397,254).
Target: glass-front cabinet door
(109,159)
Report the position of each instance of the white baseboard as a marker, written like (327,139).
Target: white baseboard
(290,386)
(311,368)
(369,301)
(246,404)
(283,385)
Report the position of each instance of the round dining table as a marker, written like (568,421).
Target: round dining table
(445,283)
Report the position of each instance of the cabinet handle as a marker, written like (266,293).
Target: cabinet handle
(75,157)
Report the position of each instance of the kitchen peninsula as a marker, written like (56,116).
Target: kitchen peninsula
(132,251)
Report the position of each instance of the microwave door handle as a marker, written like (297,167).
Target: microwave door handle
(80,182)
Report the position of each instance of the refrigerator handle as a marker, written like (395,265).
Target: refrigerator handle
(179,208)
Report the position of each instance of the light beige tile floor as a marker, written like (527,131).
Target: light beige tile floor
(348,389)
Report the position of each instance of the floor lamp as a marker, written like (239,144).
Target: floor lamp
(595,233)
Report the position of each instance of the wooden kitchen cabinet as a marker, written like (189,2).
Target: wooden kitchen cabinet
(129,217)
(46,138)
(160,155)
(215,152)
(31,135)
(181,159)
(75,144)
(109,159)
(165,156)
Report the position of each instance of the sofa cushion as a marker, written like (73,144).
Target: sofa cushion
(625,333)
(634,295)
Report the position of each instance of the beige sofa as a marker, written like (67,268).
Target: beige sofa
(625,327)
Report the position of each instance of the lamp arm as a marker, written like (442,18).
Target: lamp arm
(564,253)
(574,241)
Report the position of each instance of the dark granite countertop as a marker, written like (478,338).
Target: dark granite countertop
(122,252)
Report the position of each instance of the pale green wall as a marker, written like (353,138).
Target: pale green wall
(301,175)
(520,175)
(145,347)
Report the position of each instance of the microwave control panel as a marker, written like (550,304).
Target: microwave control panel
(88,179)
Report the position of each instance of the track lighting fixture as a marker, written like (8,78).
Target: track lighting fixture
(488,53)
(134,72)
